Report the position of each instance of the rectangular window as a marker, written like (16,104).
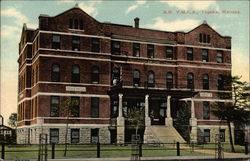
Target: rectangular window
(169,53)
(206,110)
(150,51)
(54,106)
(75,43)
(222,135)
(219,56)
(95,107)
(136,49)
(116,47)
(204,55)
(95,45)
(56,42)
(115,76)
(75,135)
(206,135)
(54,135)
(190,54)
(75,111)
(94,135)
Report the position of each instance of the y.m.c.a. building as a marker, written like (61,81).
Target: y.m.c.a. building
(92,76)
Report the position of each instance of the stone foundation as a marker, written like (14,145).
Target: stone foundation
(214,130)
(30,135)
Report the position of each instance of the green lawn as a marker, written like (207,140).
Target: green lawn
(226,147)
(89,151)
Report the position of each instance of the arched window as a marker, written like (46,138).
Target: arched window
(151,79)
(200,37)
(205,81)
(136,78)
(220,84)
(55,73)
(170,82)
(95,75)
(115,76)
(76,23)
(190,80)
(70,23)
(75,74)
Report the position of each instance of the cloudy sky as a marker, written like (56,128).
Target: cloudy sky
(160,15)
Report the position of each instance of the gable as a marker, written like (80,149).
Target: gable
(72,20)
(205,35)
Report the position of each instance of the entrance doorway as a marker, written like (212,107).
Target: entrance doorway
(157,112)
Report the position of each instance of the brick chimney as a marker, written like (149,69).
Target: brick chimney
(137,20)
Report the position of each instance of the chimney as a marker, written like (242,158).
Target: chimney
(137,22)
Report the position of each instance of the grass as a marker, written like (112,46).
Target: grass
(226,147)
(89,151)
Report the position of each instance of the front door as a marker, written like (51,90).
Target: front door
(157,112)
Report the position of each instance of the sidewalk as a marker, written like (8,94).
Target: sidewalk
(229,156)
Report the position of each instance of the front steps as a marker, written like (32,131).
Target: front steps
(162,134)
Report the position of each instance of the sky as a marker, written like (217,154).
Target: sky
(159,15)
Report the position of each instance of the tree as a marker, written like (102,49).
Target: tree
(182,120)
(13,120)
(67,109)
(237,111)
(136,117)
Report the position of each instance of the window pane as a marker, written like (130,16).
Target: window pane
(75,74)
(76,43)
(150,51)
(169,80)
(81,24)
(136,49)
(136,78)
(204,55)
(70,23)
(94,135)
(55,42)
(55,73)
(206,111)
(56,38)
(190,81)
(75,102)
(95,107)
(189,53)
(169,52)
(95,45)
(76,24)
(115,76)
(206,135)
(54,135)
(150,79)
(116,47)
(75,136)
(54,109)
(219,56)
(205,81)
(95,75)
(222,135)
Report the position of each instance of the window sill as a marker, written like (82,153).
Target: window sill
(76,30)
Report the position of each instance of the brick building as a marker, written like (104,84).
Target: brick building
(107,69)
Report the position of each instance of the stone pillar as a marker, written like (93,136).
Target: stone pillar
(193,123)
(120,122)
(147,132)
(147,118)
(168,119)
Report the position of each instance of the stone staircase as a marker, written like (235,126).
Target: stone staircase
(162,134)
